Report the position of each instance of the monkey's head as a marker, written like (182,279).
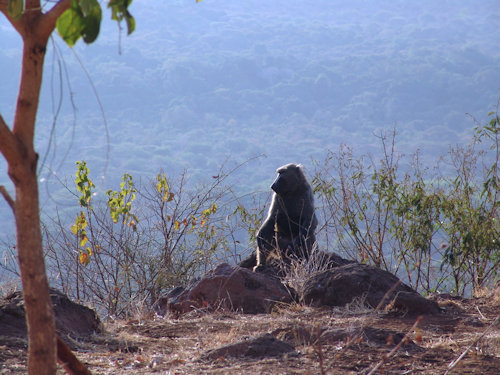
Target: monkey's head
(289,180)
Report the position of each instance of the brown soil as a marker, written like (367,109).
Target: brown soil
(351,340)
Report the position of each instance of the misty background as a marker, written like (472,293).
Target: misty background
(199,85)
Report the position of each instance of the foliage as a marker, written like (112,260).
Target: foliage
(125,258)
(251,219)
(15,8)
(355,218)
(83,19)
(35,25)
(442,232)
(437,233)
(120,202)
(471,211)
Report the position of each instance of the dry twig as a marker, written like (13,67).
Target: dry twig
(391,353)
(456,361)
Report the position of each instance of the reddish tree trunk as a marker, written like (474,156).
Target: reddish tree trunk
(38,306)
(18,149)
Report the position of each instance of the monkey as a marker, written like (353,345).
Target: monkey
(288,230)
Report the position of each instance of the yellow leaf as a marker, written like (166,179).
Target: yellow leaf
(83,241)
(83,258)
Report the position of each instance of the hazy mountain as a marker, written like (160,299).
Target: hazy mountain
(197,84)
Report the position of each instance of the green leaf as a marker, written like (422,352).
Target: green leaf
(130,23)
(15,8)
(92,22)
(70,26)
(87,6)
(82,19)
(119,11)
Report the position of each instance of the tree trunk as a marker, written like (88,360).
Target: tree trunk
(38,306)
(17,146)
(22,162)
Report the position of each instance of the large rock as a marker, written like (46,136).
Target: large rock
(261,347)
(338,286)
(278,268)
(228,287)
(72,319)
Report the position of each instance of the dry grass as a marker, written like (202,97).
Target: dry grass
(326,341)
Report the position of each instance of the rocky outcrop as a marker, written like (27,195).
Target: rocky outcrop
(261,347)
(334,281)
(228,287)
(341,285)
(72,319)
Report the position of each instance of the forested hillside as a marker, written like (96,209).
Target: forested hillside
(197,84)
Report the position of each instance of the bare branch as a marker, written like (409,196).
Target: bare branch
(30,7)
(3,9)
(48,20)
(7,197)
(404,340)
(452,364)
(8,142)
(52,15)
(68,360)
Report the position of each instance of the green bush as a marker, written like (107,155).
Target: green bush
(437,231)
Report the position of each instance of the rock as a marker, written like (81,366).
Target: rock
(320,258)
(249,262)
(414,303)
(233,288)
(340,285)
(326,260)
(72,319)
(263,346)
(298,336)
(160,306)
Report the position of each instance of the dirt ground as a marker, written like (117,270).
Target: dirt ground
(349,340)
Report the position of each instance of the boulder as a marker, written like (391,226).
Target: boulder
(72,319)
(321,260)
(228,287)
(250,261)
(338,286)
(263,346)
